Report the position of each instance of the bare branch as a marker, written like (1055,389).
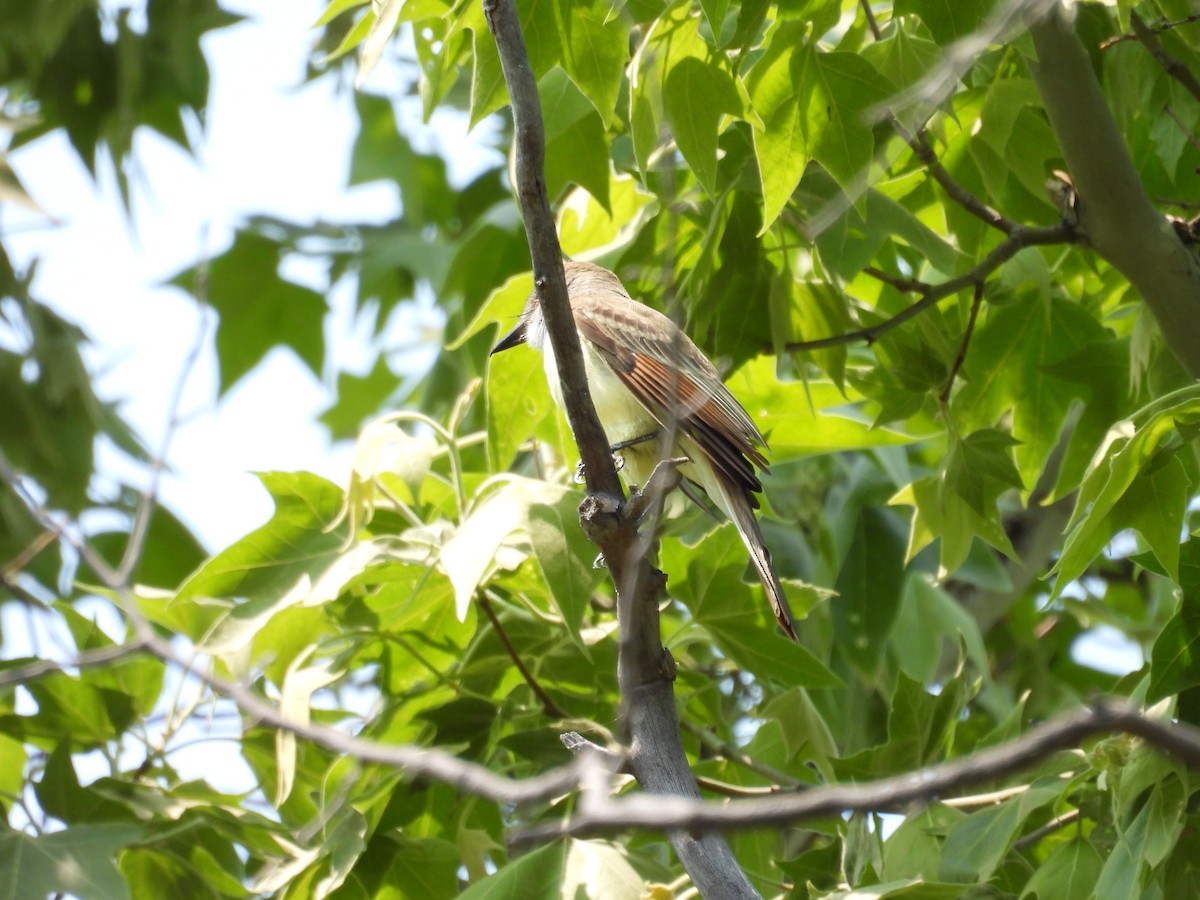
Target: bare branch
(549,707)
(644,670)
(1055,824)
(1019,239)
(920,145)
(682,814)
(871,22)
(86,659)
(1180,740)
(1157,29)
(1173,66)
(736,755)
(961,356)
(548,278)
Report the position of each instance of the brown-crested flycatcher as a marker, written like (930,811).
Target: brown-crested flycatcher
(646,377)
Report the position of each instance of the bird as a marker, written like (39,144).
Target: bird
(647,378)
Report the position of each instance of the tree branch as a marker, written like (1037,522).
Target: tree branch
(86,659)
(921,147)
(592,771)
(549,280)
(961,356)
(1115,214)
(1156,29)
(644,669)
(1020,238)
(1179,740)
(549,707)
(1174,67)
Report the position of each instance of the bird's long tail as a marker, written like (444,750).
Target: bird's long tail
(735,503)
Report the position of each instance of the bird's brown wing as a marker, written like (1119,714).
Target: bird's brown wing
(669,375)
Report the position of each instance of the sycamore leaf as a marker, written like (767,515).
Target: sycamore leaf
(258,309)
(696,95)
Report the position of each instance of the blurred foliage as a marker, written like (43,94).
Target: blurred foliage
(964,541)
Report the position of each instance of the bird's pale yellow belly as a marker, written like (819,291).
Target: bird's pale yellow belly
(622,416)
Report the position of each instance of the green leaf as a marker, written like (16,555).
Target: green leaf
(535,876)
(719,599)
(595,49)
(359,398)
(813,105)
(1008,370)
(1175,656)
(929,622)
(259,310)
(1135,481)
(600,869)
(506,520)
(76,861)
(564,555)
(584,224)
(1069,873)
(976,845)
(814,310)
(296,542)
(579,155)
(800,418)
(869,587)
(696,94)
(426,867)
(947,20)
(947,517)
(980,467)
(581,37)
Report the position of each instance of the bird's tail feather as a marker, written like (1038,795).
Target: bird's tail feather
(737,506)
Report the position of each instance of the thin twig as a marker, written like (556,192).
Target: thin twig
(85,659)
(663,479)
(924,151)
(736,755)
(1178,739)
(1055,824)
(961,356)
(14,566)
(1022,237)
(1173,66)
(736,790)
(1156,29)
(871,22)
(141,523)
(20,592)
(1187,132)
(549,707)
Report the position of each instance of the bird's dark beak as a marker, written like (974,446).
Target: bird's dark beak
(512,339)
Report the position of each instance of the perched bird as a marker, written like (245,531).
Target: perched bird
(646,376)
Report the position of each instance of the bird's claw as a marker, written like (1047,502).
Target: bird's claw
(580,476)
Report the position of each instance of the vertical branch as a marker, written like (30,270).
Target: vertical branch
(529,139)
(961,356)
(644,669)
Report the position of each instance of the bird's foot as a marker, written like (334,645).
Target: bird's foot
(580,476)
